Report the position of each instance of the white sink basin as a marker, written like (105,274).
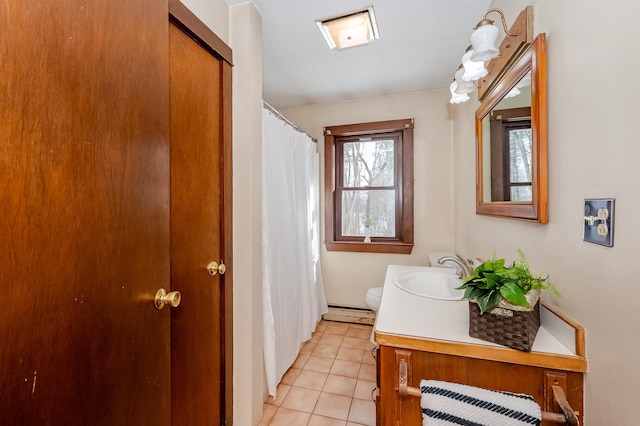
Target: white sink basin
(431,284)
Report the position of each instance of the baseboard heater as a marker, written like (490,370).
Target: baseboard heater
(349,314)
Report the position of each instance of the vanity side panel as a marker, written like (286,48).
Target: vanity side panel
(395,410)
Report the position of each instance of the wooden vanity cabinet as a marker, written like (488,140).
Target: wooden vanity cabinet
(394,409)
(429,339)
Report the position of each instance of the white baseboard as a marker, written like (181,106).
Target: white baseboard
(351,315)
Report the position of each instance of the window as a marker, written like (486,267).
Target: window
(511,151)
(369,187)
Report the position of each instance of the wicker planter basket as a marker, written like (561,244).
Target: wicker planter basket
(515,329)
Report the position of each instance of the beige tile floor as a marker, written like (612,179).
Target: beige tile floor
(330,383)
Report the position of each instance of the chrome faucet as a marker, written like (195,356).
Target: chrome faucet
(464,267)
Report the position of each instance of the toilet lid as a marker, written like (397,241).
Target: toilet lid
(375,292)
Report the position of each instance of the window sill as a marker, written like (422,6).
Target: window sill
(373,247)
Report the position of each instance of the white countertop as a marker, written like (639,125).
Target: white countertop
(405,314)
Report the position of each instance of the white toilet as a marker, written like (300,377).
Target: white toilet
(372,299)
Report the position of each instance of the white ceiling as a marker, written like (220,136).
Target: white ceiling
(420,46)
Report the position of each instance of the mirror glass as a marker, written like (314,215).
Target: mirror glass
(511,141)
(508,155)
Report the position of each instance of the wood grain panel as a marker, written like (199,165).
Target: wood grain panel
(183,18)
(502,354)
(197,153)
(493,375)
(84,179)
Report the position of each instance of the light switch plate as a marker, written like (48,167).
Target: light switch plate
(598,221)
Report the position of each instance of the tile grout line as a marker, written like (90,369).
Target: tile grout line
(361,363)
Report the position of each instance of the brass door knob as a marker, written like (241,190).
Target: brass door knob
(213,268)
(162,298)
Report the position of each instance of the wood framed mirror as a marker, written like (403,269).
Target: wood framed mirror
(511,140)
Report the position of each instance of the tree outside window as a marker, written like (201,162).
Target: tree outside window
(367,192)
(519,138)
(511,154)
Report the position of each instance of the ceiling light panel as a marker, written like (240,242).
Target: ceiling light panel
(350,30)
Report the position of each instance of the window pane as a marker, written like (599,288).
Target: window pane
(520,155)
(368,163)
(377,205)
(521,193)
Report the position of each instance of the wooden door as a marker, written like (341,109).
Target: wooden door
(84,212)
(200,207)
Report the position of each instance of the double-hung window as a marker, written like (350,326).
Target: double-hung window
(369,187)
(511,155)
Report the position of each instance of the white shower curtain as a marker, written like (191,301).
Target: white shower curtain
(293,295)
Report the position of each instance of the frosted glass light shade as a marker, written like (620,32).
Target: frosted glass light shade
(525,81)
(472,70)
(463,86)
(457,98)
(350,30)
(512,93)
(483,40)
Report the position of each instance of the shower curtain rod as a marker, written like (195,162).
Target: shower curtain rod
(286,120)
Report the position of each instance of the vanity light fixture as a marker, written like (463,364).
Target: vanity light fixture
(483,39)
(471,74)
(524,82)
(472,70)
(457,98)
(512,93)
(350,30)
(462,85)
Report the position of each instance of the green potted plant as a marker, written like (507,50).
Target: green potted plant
(367,222)
(504,301)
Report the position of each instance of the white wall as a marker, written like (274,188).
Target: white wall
(246,42)
(347,276)
(213,13)
(593,152)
